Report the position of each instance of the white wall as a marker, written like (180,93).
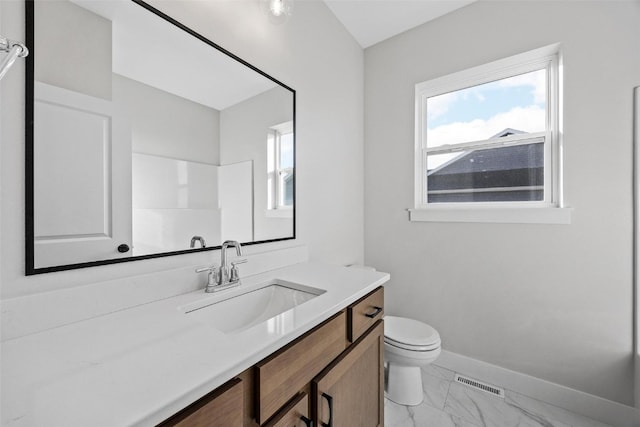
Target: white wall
(86,38)
(312,53)
(552,301)
(166,125)
(243,136)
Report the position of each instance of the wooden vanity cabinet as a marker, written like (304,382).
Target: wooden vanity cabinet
(350,391)
(331,376)
(223,407)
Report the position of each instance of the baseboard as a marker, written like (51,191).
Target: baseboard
(576,401)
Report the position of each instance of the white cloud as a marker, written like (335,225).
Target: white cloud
(537,80)
(439,105)
(529,119)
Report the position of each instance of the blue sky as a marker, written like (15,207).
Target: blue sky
(286,151)
(482,111)
(484,104)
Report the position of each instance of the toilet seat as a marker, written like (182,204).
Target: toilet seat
(432,347)
(410,334)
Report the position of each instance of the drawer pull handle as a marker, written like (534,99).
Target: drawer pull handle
(374,313)
(330,402)
(307,422)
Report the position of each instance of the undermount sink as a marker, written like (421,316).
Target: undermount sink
(270,301)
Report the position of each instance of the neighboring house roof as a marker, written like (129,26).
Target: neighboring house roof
(492,159)
(507,132)
(495,159)
(459,157)
(517,167)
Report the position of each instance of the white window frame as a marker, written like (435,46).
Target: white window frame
(276,208)
(549,210)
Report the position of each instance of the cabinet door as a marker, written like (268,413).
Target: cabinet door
(224,407)
(349,392)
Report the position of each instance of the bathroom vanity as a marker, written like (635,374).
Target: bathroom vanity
(317,362)
(321,377)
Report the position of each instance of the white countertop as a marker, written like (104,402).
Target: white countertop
(141,365)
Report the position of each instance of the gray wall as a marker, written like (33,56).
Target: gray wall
(552,301)
(312,53)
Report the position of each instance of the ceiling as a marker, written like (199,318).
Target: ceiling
(173,51)
(371,21)
(150,50)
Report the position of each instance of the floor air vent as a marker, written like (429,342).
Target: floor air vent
(479,385)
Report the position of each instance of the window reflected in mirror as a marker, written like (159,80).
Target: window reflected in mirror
(280,169)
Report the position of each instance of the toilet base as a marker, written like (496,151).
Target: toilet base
(404,384)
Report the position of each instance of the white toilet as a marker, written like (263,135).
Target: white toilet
(408,345)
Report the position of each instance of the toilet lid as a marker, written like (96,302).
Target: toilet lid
(403,333)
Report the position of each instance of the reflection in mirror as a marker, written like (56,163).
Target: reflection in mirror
(148,140)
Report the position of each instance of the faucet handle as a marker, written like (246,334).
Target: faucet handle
(212,277)
(234,270)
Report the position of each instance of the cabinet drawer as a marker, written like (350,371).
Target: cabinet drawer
(295,414)
(223,407)
(282,375)
(364,313)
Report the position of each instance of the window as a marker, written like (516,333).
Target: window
(280,167)
(487,137)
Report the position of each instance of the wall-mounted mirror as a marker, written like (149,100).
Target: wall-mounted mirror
(145,139)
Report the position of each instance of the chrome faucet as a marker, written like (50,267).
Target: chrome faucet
(223,277)
(228,277)
(195,239)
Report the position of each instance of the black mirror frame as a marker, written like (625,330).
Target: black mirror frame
(29,151)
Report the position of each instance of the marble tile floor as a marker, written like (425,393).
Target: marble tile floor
(449,404)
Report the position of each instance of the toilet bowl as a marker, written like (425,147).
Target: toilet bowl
(408,346)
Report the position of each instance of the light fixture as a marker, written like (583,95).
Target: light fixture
(277,10)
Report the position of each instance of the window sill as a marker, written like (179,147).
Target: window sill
(542,215)
(279,213)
